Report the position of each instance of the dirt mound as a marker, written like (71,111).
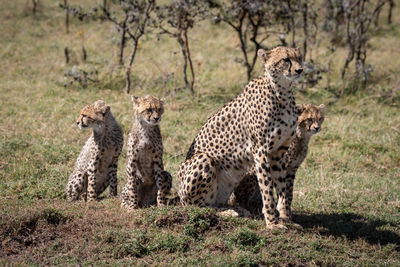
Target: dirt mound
(30,230)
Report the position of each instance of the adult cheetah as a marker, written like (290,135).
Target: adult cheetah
(254,130)
(147,181)
(96,166)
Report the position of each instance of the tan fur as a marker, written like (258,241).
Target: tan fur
(254,130)
(147,182)
(247,193)
(96,166)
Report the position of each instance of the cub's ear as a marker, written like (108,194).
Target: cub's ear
(101,106)
(162,100)
(263,55)
(105,110)
(300,109)
(322,108)
(135,100)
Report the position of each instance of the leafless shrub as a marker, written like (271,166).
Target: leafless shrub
(358,17)
(175,19)
(131,19)
(251,20)
(80,76)
(135,19)
(312,73)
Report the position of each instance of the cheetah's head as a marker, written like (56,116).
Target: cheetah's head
(93,115)
(148,109)
(310,118)
(282,62)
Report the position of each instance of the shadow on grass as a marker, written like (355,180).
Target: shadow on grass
(350,225)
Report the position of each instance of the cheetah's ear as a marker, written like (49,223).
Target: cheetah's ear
(322,108)
(300,109)
(263,55)
(105,110)
(99,103)
(135,100)
(101,106)
(162,100)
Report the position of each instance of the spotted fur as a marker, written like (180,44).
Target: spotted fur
(96,166)
(247,193)
(254,130)
(147,182)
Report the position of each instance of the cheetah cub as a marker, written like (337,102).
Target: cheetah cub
(147,182)
(247,193)
(96,166)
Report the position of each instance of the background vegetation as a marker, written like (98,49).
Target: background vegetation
(347,195)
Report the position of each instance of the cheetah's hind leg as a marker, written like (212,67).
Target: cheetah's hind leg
(198,182)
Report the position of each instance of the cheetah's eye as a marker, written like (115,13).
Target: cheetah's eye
(287,60)
(83,115)
(310,120)
(149,110)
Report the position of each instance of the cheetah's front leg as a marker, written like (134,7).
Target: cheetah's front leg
(278,173)
(290,177)
(265,182)
(112,176)
(92,173)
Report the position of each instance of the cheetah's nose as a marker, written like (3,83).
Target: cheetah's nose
(157,119)
(317,129)
(298,71)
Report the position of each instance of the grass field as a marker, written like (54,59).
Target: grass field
(346,197)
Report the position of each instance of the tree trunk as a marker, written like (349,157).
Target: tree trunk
(190,61)
(66,53)
(182,44)
(242,39)
(34,7)
(123,41)
(66,16)
(350,54)
(84,53)
(391,6)
(305,29)
(377,12)
(128,69)
(293,24)
(243,46)
(253,38)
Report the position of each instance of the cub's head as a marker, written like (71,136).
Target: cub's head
(310,118)
(282,61)
(148,109)
(93,115)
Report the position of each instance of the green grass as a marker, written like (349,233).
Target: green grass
(346,195)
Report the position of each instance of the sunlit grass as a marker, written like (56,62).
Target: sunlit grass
(347,192)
